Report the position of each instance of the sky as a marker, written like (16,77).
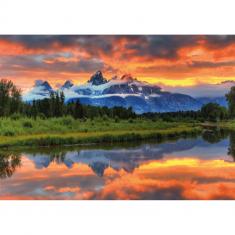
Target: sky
(191,64)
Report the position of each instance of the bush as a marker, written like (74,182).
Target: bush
(131,120)
(67,121)
(15,116)
(42,116)
(8,133)
(105,118)
(117,119)
(27,124)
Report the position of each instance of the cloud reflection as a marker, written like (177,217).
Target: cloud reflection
(182,169)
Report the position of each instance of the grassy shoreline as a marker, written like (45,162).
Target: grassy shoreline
(67,131)
(229,125)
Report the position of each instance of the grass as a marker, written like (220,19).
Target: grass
(68,131)
(229,124)
(226,125)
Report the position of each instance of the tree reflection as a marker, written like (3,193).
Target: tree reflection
(231,149)
(57,157)
(8,164)
(215,135)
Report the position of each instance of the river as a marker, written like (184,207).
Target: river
(202,167)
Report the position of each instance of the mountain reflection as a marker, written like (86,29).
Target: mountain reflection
(118,158)
(196,168)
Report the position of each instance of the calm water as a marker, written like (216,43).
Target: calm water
(193,168)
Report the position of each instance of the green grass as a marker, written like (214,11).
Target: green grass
(66,131)
(226,125)
(230,125)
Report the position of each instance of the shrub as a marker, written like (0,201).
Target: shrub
(42,116)
(8,133)
(117,119)
(105,118)
(67,121)
(27,124)
(15,116)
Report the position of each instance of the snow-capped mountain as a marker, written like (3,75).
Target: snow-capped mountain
(97,79)
(129,92)
(40,90)
(126,85)
(125,91)
(67,85)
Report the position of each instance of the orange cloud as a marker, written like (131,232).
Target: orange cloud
(168,59)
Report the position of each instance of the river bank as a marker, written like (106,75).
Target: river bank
(67,131)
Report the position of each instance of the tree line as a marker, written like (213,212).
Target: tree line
(54,106)
(11,103)
(209,112)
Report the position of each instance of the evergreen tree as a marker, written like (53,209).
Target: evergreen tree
(78,110)
(231,101)
(10,98)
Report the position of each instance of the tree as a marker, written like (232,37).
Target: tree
(34,110)
(230,97)
(52,104)
(78,110)
(10,98)
(213,112)
(15,101)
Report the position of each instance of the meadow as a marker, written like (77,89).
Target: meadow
(18,130)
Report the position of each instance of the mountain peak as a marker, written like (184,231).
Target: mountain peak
(68,84)
(97,79)
(44,84)
(128,78)
(38,83)
(114,78)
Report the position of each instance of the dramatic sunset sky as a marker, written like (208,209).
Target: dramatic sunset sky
(186,63)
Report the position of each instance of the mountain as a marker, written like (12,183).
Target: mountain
(67,85)
(125,92)
(219,100)
(97,79)
(129,92)
(40,90)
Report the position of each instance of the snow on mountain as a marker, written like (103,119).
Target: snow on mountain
(129,92)
(40,90)
(67,85)
(97,79)
(68,91)
(124,85)
(125,91)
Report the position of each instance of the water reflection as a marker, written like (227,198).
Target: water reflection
(8,164)
(199,168)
